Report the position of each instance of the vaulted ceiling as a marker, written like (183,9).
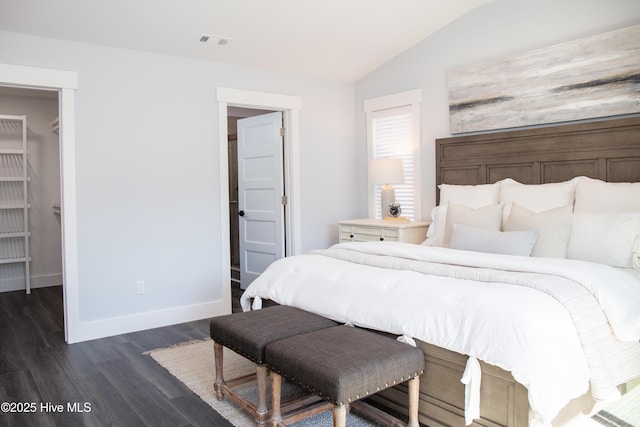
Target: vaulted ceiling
(333,39)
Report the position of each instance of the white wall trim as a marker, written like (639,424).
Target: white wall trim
(290,106)
(40,281)
(401,99)
(41,78)
(68,212)
(411,99)
(65,82)
(46,280)
(147,320)
(292,180)
(225,246)
(262,100)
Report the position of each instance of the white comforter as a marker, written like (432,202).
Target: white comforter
(538,318)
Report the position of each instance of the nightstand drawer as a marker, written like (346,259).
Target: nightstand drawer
(367,234)
(377,230)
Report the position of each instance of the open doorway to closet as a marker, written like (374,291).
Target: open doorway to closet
(256,192)
(64,83)
(30,194)
(289,106)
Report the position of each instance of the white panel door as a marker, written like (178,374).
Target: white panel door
(260,192)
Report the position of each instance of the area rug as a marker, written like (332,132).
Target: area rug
(622,413)
(193,364)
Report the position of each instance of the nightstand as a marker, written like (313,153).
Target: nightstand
(370,230)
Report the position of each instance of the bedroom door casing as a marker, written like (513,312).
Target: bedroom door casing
(261,196)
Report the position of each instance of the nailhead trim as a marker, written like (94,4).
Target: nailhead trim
(349,399)
(241,353)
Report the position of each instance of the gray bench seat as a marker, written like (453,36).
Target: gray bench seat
(248,334)
(342,365)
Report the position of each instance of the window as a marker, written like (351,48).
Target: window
(393,130)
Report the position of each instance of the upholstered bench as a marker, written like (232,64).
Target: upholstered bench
(342,365)
(248,334)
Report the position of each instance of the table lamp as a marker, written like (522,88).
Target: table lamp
(386,171)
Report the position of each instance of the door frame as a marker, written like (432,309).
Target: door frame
(65,83)
(290,106)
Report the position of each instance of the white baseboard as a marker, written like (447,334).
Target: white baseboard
(46,280)
(95,329)
(8,284)
(124,324)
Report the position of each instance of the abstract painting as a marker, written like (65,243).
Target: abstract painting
(597,76)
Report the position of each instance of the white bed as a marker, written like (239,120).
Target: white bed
(475,304)
(536,288)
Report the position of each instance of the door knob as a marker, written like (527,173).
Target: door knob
(241,213)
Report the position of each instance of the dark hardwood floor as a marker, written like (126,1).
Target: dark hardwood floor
(105,382)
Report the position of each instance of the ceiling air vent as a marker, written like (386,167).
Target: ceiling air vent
(212,39)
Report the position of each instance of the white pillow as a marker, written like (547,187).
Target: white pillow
(474,196)
(593,195)
(536,197)
(606,238)
(553,225)
(435,232)
(487,217)
(496,242)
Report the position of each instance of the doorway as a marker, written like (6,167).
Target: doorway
(65,84)
(256,192)
(31,245)
(290,107)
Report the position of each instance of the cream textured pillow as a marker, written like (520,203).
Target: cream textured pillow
(593,195)
(536,197)
(496,242)
(487,217)
(474,196)
(554,229)
(605,238)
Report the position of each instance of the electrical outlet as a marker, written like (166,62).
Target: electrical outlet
(140,287)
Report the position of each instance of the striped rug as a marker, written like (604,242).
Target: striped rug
(192,364)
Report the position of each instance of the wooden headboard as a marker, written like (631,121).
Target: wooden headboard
(608,150)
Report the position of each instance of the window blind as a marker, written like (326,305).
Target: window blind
(392,136)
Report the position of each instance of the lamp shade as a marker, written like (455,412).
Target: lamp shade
(386,170)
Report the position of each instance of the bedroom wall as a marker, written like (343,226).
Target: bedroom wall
(497,29)
(148,190)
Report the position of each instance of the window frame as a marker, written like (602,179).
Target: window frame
(374,106)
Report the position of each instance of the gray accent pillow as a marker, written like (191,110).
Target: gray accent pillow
(496,242)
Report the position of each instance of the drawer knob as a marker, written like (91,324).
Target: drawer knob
(382,239)
(351,235)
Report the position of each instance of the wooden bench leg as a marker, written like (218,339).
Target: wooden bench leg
(276,388)
(414,396)
(262,412)
(340,416)
(219,381)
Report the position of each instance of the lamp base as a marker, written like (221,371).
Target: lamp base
(387,197)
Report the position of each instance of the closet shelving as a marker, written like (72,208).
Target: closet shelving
(55,125)
(14,204)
